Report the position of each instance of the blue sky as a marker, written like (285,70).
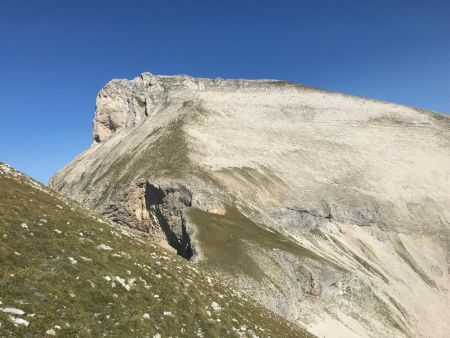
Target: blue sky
(56,55)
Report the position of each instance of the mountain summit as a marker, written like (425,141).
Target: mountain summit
(329,209)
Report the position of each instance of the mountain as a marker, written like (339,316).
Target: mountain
(68,272)
(329,209)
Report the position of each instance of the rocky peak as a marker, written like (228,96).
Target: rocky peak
(326,208)
(123,103)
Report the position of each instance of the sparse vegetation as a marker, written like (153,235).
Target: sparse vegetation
(406,256)
(223,239)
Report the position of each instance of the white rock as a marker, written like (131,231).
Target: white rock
(104,247)
(19,321)
(215,306)
(12,310)
(122,282)
(51,332)
(73,260)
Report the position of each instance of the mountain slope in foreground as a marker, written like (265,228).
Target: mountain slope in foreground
(332,210)
(68,272)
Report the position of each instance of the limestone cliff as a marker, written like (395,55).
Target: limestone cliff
(332,210)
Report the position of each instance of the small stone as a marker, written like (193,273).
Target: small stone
(19,321)
(51,332)
(315,287)
(215,306)
(13,311)
(104,247)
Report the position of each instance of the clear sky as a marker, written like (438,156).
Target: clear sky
(56,55)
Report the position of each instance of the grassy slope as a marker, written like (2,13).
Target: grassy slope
(39,275)
(223,239)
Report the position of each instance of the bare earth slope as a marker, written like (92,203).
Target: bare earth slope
(332,210)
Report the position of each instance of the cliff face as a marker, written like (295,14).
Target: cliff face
(329,209)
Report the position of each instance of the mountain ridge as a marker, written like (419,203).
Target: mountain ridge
(325,203)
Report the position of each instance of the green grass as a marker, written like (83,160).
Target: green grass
(224,240)
(408,259)
(366,265)
(165,154)
(38,277)
(263,178)
(383,310)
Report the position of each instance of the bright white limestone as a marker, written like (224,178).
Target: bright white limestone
(19,321)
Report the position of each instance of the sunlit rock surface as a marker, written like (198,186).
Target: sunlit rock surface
(331,210)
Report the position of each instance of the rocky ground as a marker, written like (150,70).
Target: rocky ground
(331,210)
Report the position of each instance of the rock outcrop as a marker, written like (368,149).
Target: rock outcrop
(168,205)
(331,210)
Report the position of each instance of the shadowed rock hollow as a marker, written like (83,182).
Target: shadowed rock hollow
(329,209)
